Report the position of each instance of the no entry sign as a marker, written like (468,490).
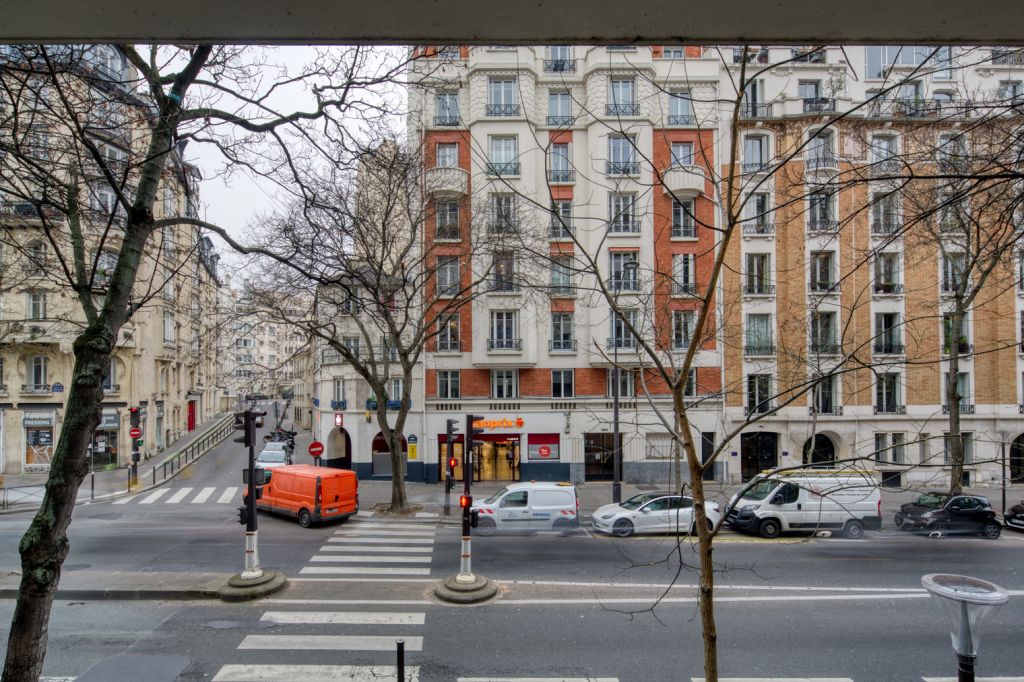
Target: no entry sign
(135,432)
(316,448)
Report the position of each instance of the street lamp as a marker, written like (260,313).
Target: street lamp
(628,274)
(967,603)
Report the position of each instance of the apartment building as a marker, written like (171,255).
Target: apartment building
(166,360)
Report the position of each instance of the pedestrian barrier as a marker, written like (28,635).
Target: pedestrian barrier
(21,493)
(191,452)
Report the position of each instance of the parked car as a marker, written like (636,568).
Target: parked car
(938,512)
(532,506)
(652,512)
(310,494)
(1014,517)
(280,445)
(272,459)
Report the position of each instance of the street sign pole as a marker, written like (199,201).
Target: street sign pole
(135,433)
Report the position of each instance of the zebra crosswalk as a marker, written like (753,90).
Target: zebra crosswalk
(374,549)
(186,495)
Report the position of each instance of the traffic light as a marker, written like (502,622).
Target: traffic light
(474,518)
(243,515)
(453,461)
(452,429)
(134,416)
(472,432)
(465,501)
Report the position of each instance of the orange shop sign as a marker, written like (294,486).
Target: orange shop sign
(516,423)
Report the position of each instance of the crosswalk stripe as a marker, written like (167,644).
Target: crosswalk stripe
(362,570)
(329,642)
(372,548)
(365,525)
(365,514)
(178,496)
(227,495)
(203,495)
(312,673)
(344,618)
(366,559)
(385,533)
(777,679)
(978,679)
(384,541)
(538,679)
(126,500)
(153,497)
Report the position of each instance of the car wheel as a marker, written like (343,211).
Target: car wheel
(486,526)
(305,519)
(938,529)
(854,530)
(770,528)
(707,522)
(562,526)
(900,522)
(991,530)
(623,528)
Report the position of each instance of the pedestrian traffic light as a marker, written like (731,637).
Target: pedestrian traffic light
(465,501)
(134,417)
(243,515)
(472,432)
(474,518)
(452,463)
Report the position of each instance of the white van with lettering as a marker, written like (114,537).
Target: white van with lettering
(809,500)
(530,507)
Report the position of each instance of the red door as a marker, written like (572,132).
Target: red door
(191,415)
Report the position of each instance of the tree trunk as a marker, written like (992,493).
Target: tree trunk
(45,544)
(955,440)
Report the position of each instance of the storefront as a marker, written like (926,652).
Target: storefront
(105,443)
(39,441)
(506,455)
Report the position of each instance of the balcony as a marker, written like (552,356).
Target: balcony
(830,410)
(448,232)
(759,408)
(36,389)
(827,161)
(340,405)
(560,231)
(754,167)
(883,228)
(681,120)
(1007,56)
(561,177)
(502,286)
(562,291)
(447,181)
(562,345)
(805,55)
(684,231)
(28,213)
(887,289)
(502,110)
(111,389)
(514,345)
(759,229)
(622,343)
(371,404)
(819,288)
(684,288)
(826,348)
(504,225)
(814,105)
(627,225)
(888,348)
(890,409)
(503,169)
(625,284)
(750,55)
(684,181)
(448,121)
(752,350)
(758,289)
(822,226)
(965,408)
(559,66)
(962,349)
(622,168)
(885,167)
(749,110)
(559,121)
(630,109)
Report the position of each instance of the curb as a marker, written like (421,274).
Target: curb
(221,588)
(234,589)
(450,591)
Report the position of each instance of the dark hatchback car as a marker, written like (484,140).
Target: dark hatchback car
(1014,516)
(943,513)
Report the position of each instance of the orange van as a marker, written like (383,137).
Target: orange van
(310,494)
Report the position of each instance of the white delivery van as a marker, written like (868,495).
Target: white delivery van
(533,506)
(809,500)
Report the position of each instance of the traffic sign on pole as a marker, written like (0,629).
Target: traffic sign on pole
(316,448)
(135,432)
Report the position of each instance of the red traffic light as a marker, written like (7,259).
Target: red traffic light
(452,462)
(465,501)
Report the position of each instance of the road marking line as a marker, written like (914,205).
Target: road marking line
(427,515)
(372,548)
(153,497)
(353,602)
(388,534)
(980,679)
(659,586)
(178,496)
(537,679)
(387,528)
(329,643)
(365,514)
(227,495)
(364,559)
(355,570)
(203,495)
(693,600)
(777,679)
(312,673)
(361,580)
(384,541)
(126,500)
(344,618)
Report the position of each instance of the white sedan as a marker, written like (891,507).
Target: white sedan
(651,512)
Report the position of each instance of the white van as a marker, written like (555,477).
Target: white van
(533,506)
(809,500)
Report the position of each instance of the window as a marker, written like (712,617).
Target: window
(503,273)
(622,97)
(448,384)
(106,262)
(446,111)
(561,219)
(559,59)
(967,439)
(690,387)
(397,385)
(1010,91)
(562,383)
(883,148)
(170,330)
(881,57)
(822,270)
(2,384)
(624,270)
(448,333)
(447,220)
(826,400)
(447,154)
(338,392)
(887,273)
(758,274)
(889,448)
(680,113)
(503,154)
(682,328)
(963,389)
(823,333)
(755,153)
(559,108)
(36,256)
(562,338)
(672,52)
(449,52)
(684,273)
(352,344)
(504,383)
(888,339)
(622,337)
(559,169)
(887,394)
(683,225)
(502,98)
(622,213)
(756,212)
(885,213)
(627,383)
(448,280)
(809,90)
(622,155)
(503,213)
(682,154)
(951,148)
(37,305)
(821,150)
(504,331)
(168,288)
(759,337)
(953,272)
(759,393)
(561,275)
(37,373)
(822,214)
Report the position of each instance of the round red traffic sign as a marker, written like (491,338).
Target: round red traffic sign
(316,448)
(544,451)
(135,432)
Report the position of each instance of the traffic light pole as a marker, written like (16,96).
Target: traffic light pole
(252,559)
(466,562)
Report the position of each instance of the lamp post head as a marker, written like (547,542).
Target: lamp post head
(967,604)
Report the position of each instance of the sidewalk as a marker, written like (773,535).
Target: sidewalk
(24,492)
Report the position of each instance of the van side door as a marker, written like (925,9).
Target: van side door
(784,504)
(514,510)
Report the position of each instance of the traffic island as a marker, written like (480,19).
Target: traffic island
(451,591)
(238,588)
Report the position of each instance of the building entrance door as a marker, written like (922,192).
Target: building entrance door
(758,451)
(598,451)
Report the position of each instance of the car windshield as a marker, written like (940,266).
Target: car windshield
(932,500)
(761,489)
(271,456)
(494,498)
(639,500)
(274,446)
